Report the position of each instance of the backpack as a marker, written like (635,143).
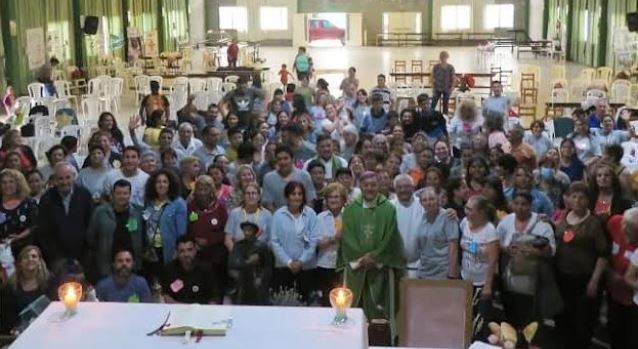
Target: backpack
(302,64)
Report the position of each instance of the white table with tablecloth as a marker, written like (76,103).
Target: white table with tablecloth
(124,325)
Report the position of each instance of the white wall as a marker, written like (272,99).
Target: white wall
(197,19)
(254,29)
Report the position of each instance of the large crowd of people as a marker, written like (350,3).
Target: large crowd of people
(260,197)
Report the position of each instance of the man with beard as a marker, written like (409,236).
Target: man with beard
(185,280)
(123,286)
(115,226)
(206,222)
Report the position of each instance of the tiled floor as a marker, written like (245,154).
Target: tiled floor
(332,62)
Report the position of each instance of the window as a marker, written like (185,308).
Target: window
(233,17)
(455,17)
(273,17)
(498,16)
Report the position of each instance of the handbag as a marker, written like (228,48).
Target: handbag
(519,272)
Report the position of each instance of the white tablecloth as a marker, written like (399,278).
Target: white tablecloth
(121,325)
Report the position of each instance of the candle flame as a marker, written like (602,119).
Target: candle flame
(341,297)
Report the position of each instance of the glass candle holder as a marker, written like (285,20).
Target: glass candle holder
(341,300)
(70,295)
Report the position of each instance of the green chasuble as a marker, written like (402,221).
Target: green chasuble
(372,230)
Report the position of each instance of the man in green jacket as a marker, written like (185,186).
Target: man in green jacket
(371,251)
(114,226)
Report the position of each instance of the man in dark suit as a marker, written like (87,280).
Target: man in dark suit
(64,215)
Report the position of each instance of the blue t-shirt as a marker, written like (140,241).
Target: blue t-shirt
(135,291)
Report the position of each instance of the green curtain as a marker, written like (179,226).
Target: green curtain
(18,17)
(586,36)
(109,41)
(143,15)
(59,17)
(2,61)
(174,24)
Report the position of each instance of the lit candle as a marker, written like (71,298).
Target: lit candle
(341,299)
(70,298)
(70,294)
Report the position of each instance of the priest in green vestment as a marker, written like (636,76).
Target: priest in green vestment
(371,251)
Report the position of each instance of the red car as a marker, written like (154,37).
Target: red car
(323,29)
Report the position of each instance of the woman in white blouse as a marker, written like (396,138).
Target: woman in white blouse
(329,227)
(479,248)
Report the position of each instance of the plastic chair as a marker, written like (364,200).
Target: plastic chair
(63,88)
(117,86)
(142,87)
(201,100)
(178,98)
(604,73)
(232,78)
(196,85)
(228,86)
(595,94)
(180,80)
(621,91)
(36,91)
(90,109)
(588,74)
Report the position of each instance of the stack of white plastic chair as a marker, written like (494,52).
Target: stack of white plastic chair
(36,92)
(180,80)
(227,87)
(201,100)
(621,91)
(116,89)
(142,87)
(214,89)
(91,109)
(178,99)
(232,78)
(196,85)
(63,88)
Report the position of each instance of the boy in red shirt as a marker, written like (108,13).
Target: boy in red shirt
(283,75)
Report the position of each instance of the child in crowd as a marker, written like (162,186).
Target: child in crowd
(284,74)
(250,263)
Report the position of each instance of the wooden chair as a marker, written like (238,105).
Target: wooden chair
(435,313)
(528,89)
(400,67)
(527,114)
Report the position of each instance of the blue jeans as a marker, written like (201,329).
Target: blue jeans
(435,100)
(50,89)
